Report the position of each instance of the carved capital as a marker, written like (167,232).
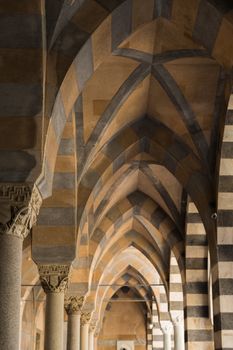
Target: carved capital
(92,326)
(24,218)
(178,319)
(54,278)
(85,318)
(166,327)
(97,329)
(73,304)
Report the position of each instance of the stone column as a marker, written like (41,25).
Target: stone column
(65,327)
(167,344)
(21,322)
(92,336)
(73,307)
(54,280)
(178,324)
(96,335)
(15,225)
(85,319)
(95,342)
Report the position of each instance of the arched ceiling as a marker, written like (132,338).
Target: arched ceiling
(147,96)
(127,105)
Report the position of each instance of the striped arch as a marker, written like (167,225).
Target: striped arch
(176,299)
(176,290)
(198,327)
(149,218)
(108,33)
(135,259)
(102,199)
(55,233)
(131,278)
(172,153)
(86,279)
(131,238)
(222,274)
(145,210)
(156,332)
(131,282)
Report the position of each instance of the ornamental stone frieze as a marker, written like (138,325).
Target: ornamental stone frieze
(85,318)
(23,216)
(54,278)
(73,305)
(15,193)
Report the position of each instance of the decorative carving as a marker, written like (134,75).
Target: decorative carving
(85,318)
(178,319)
(24,218)
(16,193)
(97,329)
(73,304)
(166,327)
(54,278)
(92,326)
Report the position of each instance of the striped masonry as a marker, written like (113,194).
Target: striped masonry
(54,235)
(116,27)
(149,332)
(222,272)
(198,328)
(176,296)
(157,334)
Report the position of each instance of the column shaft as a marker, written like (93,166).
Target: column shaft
(179,336)
(20,322)
(73,333)
(96,342)
(167,341)
(85,336)
(10,290)
(54,319)
(91,340)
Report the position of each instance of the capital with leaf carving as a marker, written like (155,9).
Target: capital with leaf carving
(23,216)
(92,326)
(54,278)
(85,318)
(97,330)
(73,304)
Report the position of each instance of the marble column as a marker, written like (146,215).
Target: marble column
(73,307)
(85,319)
(95,341)
(178,324)
(96,335)
(167,344)
(54,280)
(13,229)
(91,345)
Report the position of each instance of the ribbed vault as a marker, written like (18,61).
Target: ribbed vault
(115,112)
